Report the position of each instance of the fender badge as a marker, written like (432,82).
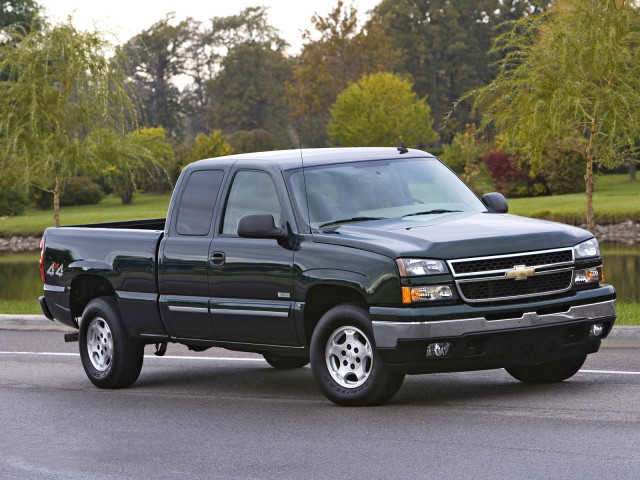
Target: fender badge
(520,272)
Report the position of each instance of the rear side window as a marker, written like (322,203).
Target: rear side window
(198,201)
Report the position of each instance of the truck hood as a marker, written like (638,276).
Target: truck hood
(454,235)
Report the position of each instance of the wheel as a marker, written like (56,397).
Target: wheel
(111,359)
(344,360)
(284,361)
(550,372)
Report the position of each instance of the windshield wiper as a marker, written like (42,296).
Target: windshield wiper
(348,220)
(432,212)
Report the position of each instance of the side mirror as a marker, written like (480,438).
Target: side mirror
(495,202)
(260,225)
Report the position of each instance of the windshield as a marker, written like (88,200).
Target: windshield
(360,191)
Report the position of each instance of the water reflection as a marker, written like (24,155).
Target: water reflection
(20,275)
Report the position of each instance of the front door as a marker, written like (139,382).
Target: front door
(252,285)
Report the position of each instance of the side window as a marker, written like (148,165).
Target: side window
(198,201)
(251,192)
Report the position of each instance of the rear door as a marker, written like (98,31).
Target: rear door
(185,264)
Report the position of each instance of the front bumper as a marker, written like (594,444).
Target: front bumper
(521,335)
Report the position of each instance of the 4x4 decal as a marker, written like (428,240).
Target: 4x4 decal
(55,269)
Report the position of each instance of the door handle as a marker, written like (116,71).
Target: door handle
(217,259)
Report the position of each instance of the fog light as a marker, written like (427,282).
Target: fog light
(439,349)
(596,330)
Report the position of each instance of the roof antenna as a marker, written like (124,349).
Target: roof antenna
(403,148)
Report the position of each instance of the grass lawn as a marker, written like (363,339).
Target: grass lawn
(615,199)
(108,210)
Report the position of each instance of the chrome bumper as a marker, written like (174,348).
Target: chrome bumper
(387,334)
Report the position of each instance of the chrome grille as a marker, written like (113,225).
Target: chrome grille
(501,277)
(508,287)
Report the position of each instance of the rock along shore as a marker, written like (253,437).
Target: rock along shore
(626,233)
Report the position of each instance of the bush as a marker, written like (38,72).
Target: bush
(563,171)
(74,191)
(80,191)
(507,177)
(13,200)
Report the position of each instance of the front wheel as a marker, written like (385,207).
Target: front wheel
(550,372)
(111,359)
(345,362)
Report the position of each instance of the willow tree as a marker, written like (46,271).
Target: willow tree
(570,74)
(58,86)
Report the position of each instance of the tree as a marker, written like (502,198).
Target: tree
(60,86)
(208,146)
(570,72)
(379,111)
(248,93)
(17,16)
(343,53)
(444,46)
(156,58)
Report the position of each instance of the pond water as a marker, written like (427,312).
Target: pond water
(20,275)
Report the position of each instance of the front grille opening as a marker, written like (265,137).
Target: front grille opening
(504,315)
(551,310)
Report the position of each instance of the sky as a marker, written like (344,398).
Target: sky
(126,18)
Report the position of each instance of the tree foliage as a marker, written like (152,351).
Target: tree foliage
(342,53)
(444,44)
(18,16)
(156,59)
(248,93)
(209,146)
(380,110)
(60,87)
(572,72)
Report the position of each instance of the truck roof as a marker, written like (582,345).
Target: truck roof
(290,159)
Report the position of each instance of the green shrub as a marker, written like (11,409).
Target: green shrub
(563,170)
(74,191)
(13,200)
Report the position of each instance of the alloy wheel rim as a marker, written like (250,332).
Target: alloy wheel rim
(100,344)
(349,357)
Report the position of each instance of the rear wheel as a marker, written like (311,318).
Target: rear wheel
(345,362)
(111,359)
(550,372)
(284,361)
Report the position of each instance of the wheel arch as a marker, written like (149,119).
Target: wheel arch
(87,287)
(321,298)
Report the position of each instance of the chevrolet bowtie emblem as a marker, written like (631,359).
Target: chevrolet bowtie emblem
(520,272)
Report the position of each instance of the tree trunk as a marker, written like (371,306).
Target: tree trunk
(632,171)
(56,202)
(588,178)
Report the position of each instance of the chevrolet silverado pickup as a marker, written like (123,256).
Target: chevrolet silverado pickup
(367,263)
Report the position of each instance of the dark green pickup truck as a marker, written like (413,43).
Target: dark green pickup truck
(370,263)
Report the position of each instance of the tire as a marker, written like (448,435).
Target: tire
(284,361)
(345,362)
(111,359)
(551,372)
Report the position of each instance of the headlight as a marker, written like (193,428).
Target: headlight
(587,249)
(417,267)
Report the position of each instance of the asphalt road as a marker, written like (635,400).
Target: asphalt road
(226,415)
